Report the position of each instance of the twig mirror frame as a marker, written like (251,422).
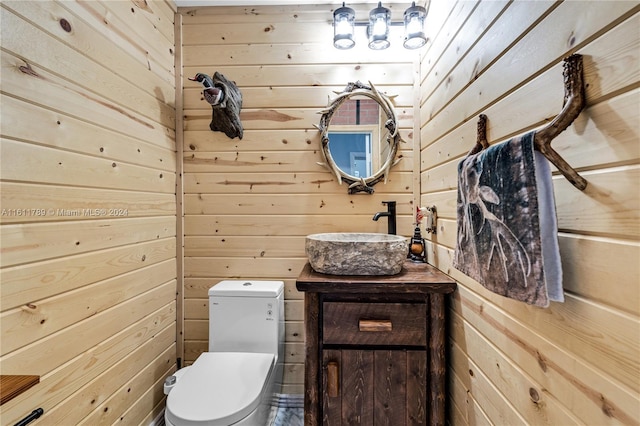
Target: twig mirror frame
(360,184)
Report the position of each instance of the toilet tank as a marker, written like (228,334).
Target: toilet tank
(247,316)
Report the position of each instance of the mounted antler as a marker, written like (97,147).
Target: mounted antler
(481,140)
(574,102)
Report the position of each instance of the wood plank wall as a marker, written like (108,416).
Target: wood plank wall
(575,362)
(88,225)
(249,203)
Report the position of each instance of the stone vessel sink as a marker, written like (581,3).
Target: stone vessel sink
(345,253)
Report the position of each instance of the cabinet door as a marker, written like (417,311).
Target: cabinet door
(374,387)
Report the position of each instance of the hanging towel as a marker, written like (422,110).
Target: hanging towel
(507,226)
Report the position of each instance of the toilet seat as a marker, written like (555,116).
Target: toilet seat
(219,389)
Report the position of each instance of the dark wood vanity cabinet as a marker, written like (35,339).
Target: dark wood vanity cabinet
(375,347)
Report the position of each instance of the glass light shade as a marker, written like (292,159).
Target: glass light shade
(414,36)
(343,23)
(379,22)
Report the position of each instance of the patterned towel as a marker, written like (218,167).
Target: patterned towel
(507,226)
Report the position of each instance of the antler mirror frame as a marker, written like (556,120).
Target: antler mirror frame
(392,136)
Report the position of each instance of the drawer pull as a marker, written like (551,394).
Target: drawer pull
(332,379)
(375,325)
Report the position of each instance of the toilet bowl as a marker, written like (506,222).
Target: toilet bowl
(234,382)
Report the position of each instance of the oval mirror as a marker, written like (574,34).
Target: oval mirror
(359,137)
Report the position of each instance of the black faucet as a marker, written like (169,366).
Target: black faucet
(391,214)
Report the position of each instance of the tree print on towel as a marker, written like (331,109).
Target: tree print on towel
(498,241)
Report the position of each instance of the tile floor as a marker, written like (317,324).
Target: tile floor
(287,410)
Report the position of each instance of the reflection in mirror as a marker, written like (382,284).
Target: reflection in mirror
(352,152)
(355,136)
(359,137)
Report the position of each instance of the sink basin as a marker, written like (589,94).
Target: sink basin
(345,253)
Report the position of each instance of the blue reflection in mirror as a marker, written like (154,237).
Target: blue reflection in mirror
(351,152)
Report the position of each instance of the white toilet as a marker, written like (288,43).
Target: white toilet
(233,383)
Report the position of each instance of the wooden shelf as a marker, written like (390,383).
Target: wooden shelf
(12,386)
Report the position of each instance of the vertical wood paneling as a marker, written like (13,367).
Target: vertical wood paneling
(249,203)
(576,362)
(417,407)
(357,378)
(88,225)
(390,400)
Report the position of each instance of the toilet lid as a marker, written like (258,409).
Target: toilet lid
(220,388)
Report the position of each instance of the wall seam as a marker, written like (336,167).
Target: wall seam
(179,189)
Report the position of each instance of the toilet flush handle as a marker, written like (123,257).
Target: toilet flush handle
(172,380)
(169,382)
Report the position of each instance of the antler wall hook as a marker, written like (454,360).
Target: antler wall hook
(481,140)
(574,103)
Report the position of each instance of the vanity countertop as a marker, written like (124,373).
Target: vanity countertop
(414,278)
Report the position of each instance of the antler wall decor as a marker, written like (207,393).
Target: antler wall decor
(574,103)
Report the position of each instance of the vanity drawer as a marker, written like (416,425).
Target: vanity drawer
(374,323)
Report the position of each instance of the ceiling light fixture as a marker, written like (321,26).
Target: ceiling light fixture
(378,27)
